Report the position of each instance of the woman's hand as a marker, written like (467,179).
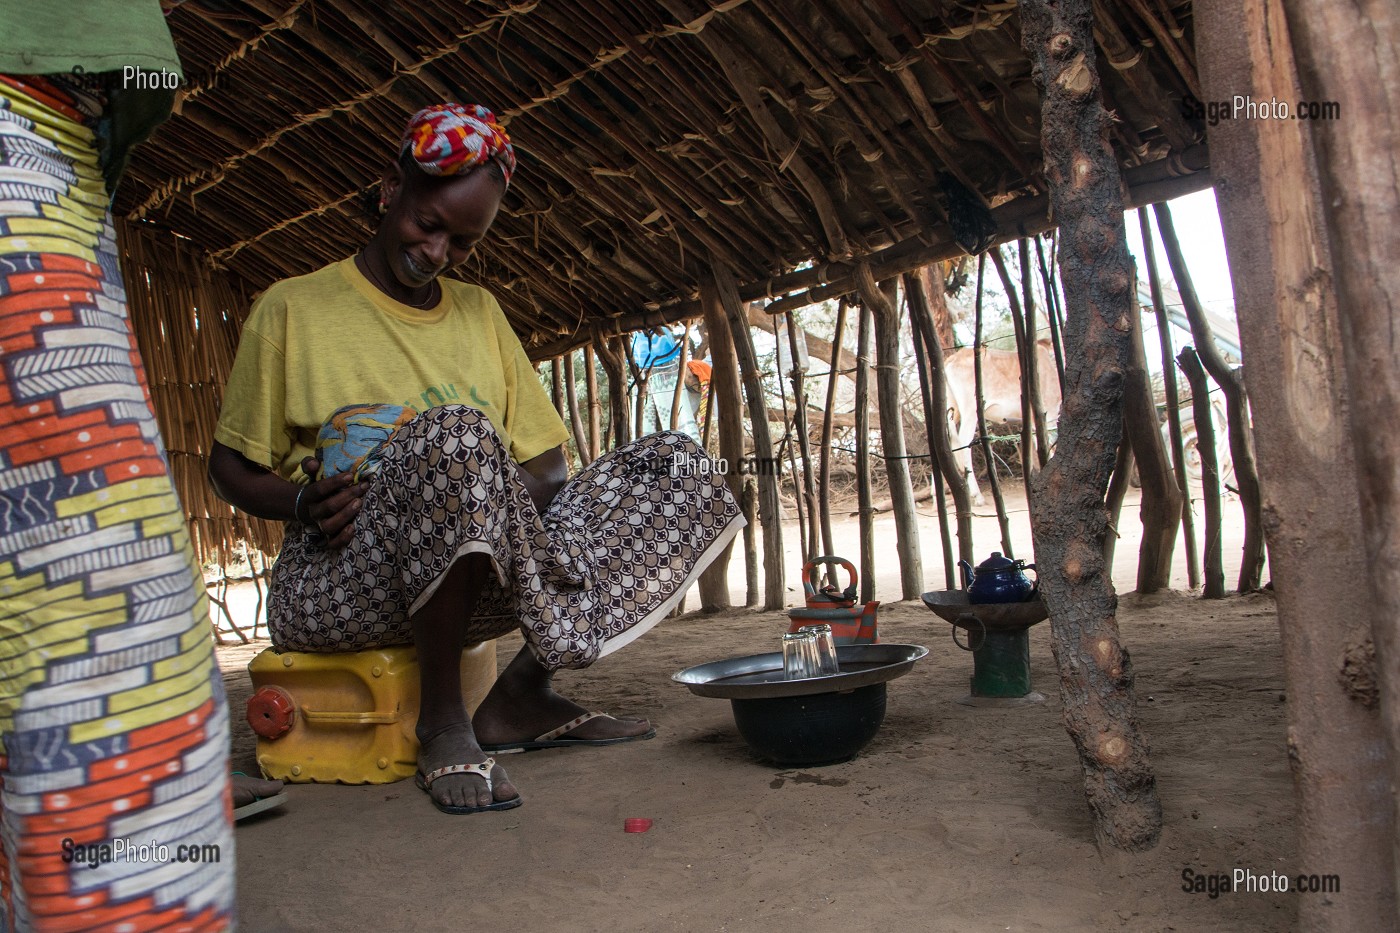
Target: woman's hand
(330,505)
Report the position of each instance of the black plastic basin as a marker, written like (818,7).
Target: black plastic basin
(814,729)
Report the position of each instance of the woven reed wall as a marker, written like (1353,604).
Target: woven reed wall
(187,320)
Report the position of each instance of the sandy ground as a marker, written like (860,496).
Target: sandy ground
(953,818)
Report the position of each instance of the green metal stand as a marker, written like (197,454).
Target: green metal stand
(1001,667)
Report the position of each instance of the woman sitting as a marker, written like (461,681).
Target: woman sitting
(470,527)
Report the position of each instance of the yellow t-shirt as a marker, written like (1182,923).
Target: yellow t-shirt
(320,341)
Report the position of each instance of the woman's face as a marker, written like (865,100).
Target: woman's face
(431,225)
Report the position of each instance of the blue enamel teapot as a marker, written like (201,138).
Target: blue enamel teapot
(997,579)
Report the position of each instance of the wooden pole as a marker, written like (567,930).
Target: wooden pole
(1236,406)
(866,509)
(937,422)
(595,405)
(709,415)
(786,444)
(935,475)
(1210,470)
(726,411)
(1052,311)
(804,444)
(824,484)
(1117,489)
(1164,339)
(640,378)
(556,380)
(585,454)
(680,379)
(1019,326)
(1350,55)
(980,395)
(906,520)
(915,295)
(1032,356)
(1160,508)
(1067,516)
(612,354)
(770,509)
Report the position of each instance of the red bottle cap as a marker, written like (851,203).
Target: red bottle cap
(271,712)
(636,824)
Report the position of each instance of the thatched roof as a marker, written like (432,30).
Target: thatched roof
(655,138)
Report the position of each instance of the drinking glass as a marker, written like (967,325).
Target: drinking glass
(799,655)
(824,648)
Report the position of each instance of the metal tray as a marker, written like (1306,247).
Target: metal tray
(952,606)
(760,676)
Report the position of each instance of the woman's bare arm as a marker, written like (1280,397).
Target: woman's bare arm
(545,475)
(329,504)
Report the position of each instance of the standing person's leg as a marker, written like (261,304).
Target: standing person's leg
(112,713)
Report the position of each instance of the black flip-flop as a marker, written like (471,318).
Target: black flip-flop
(558,738)
(481,770)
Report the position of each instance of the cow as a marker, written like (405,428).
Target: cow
(1001,390)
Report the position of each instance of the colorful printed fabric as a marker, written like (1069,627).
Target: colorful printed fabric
(609,559)
(112,713)
(448,139)
(352,439)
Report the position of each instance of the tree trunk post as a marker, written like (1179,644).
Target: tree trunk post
(595,406)
(804,442)
(1032,357)
(611,355)
(865,502)
(1236,406)
(980,400)
(1161,500)
(921,308)
(1068,519)
(727,412)
(556,386)
(928,354)
(1052,312)
(906,520)
(1018,324)
(1164,339)
(1210,470)
(770,508)
(785,445)
(1117,489)
(585,454)
(1354,61)
(679,393)
(824,484)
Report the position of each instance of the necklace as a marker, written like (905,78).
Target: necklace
(434,289)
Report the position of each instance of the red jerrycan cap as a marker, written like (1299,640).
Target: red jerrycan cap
(271,712)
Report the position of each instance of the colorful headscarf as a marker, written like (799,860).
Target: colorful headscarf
(448,139)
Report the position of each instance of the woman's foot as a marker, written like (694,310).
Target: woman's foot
(457,745)
(248,789)
(523,705)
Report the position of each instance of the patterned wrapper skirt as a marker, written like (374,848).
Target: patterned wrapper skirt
(114,726)
(609,558)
